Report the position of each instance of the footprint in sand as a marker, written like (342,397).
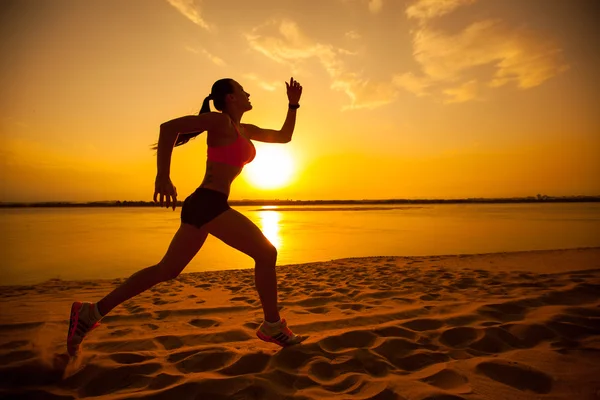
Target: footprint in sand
(121,332)
(449,380)
(114,379)
(205,361)
(460,336)
(415,362)
(134,309)
(351,306)
(163,380)
(252,325)
(516,375)
(424,324)
(241,298)
(318,310)
(443,396)
(247,364)
(496,340)
(204,286)
(129,358)
(234,289)
(392,348)
(342,290)
(204,322)
(395,332)
(348,340)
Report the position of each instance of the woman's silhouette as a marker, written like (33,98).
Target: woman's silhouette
(206,211)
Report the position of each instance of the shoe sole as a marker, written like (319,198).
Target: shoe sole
(269,339)
(73,320)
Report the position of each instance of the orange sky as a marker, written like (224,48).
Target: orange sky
(402,99)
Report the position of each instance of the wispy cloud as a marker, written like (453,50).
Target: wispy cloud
(428,9)
(269,86)
(353,35)
(374,6)
(191,10)
(214,59)
(284,42)
(462,93)
(418,85)
(521,56)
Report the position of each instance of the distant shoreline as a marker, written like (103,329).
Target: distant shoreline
(126,203)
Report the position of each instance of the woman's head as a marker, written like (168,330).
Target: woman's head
(227,94)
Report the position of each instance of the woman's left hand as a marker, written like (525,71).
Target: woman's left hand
(294,91)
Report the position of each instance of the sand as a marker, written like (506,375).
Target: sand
(498,326)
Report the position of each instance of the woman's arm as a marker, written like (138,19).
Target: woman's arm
(284,135)
(166,141)
(195,123)
(170,131)
(271,135)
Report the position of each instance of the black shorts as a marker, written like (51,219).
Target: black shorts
(203,206)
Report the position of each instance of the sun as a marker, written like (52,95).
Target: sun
(272,168)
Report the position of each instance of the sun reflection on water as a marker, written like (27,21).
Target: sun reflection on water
(269,221)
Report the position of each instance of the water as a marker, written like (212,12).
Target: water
(90,243)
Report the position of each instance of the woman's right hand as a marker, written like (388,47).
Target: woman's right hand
(164,187)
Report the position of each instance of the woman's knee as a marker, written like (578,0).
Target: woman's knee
(266,256)
(165,273)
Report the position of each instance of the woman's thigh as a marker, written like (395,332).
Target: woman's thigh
(185,244)
(237,231)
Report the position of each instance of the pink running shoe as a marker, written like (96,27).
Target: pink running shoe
(279,334)
(80,323)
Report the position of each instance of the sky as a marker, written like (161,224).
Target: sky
(401,99)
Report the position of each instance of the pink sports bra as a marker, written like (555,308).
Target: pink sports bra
(238,153)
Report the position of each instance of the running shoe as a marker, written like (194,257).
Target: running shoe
(279,334)
(80,324)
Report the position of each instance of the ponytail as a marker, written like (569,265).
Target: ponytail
(184,138)
(219,91)
(206,105)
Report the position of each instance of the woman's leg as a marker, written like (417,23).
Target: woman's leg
(185,245)
(237,231)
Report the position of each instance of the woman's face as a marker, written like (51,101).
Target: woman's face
(241,97)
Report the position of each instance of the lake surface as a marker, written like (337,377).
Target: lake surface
(89,243)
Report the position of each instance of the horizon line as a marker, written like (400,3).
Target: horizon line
(116,203)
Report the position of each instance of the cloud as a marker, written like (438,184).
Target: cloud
(428,9)
(269,86)
(284,42)
(214,59)
(520,56)
(414,84)
(375,6)
(353,35)
(190,10)
(460,94)
(347,52)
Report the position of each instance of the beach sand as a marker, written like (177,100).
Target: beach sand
(498,326)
